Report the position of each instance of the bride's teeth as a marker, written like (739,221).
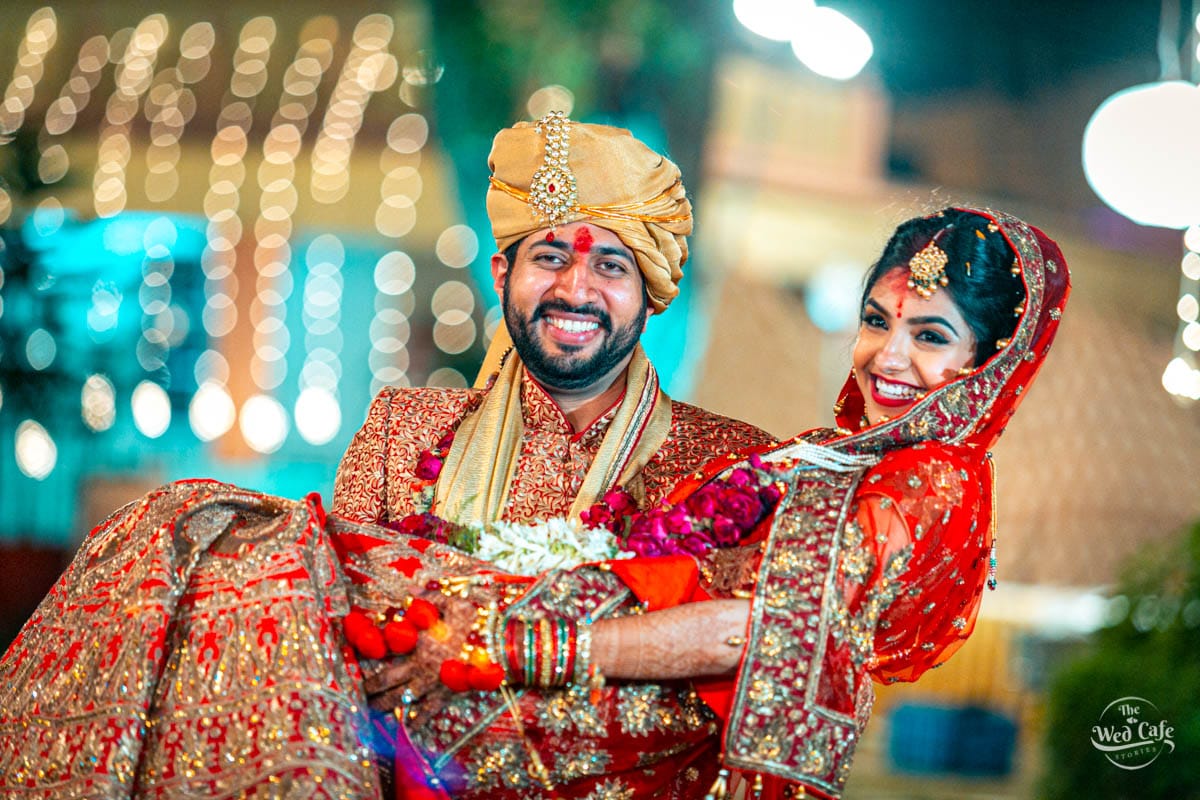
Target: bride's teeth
(573,325)
(895,390)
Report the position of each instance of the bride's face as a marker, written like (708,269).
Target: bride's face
(907,345)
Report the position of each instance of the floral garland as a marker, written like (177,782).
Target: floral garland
(721,513)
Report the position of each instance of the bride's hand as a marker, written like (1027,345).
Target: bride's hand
(399,680)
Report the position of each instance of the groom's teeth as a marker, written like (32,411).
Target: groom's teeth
(572,325)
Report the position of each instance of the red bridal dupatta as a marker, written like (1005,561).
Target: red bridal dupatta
(873,563)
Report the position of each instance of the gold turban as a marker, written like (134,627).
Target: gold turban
(556,171)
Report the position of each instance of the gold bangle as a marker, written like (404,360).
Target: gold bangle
(583,653)
(546,659)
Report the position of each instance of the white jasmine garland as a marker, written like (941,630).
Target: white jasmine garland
(533,547)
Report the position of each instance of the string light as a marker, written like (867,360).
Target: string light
(401,186)
(389,333)
(211,412)
(1181,378)
(72,99)
(163,322)
(454,329)
(170,105)
(41,33)
(318,410)
(133,78)
(368,68)
(277,203)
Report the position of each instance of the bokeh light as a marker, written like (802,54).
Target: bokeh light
(151,409)
(1191,336)
(831,44)
(777,20)
(395,273)
(832,294)
(98,403)
(423,69)
(1188,308)
(550,98)
(454,338)
(263,423)
(1191,266)
(318,415)
(1139,153)
(211,412)
(40,349)
(457,246)
(35,450)
(1191,238)
(408,133)
(447,377)
(1182,379)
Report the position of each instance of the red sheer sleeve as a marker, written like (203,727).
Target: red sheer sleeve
(916,561)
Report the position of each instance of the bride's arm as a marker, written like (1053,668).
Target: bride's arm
(685,641)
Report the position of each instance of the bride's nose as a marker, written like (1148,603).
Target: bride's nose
(893,355)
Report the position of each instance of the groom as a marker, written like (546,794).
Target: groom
(590,228)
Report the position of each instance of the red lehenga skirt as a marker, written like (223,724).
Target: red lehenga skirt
(194,648)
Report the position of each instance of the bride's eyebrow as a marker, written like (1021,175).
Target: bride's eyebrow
(875,305)
(934,321)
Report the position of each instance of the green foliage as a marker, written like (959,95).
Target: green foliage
(1152,653)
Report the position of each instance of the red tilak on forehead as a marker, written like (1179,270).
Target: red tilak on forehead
(897,281)
(584,241)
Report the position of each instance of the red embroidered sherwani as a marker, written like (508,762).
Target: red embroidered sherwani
(376,478)
(668,723)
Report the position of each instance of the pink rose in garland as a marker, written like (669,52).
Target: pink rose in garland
(427,469)
(429,466)
(432,527)
(719,514)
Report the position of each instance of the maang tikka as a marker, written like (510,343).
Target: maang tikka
(927,269)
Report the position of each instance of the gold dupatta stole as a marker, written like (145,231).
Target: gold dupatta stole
(478,470)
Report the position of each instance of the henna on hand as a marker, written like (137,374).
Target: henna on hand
(686,641)
(391,682)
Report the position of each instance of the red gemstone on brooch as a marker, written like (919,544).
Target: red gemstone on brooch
(550,188)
